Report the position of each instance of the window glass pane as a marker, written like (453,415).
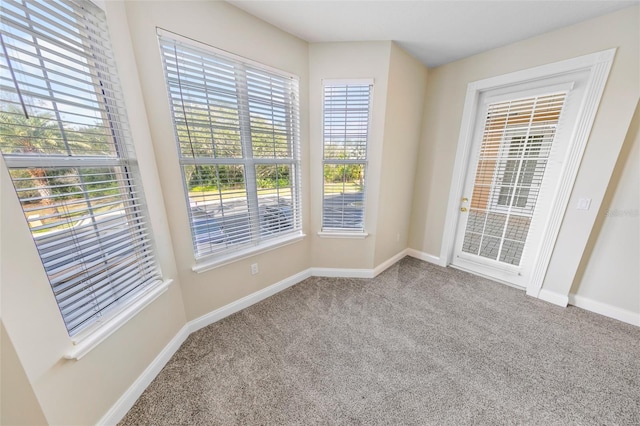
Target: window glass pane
(219,209)
(41,133)
(343,201)
(346,115)
(63,136)
(89,234)
(269,115)
(203,97)
(275,192)
(237,130)
(346,121)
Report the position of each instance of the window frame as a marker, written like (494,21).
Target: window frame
(115,314)
(257,242)
(338,232)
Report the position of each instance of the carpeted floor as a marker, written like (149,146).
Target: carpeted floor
(417,345)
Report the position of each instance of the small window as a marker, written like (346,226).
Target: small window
(345,131)
(64,138)
(237,129)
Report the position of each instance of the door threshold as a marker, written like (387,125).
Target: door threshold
(487,277)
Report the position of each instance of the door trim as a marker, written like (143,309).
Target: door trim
(598,65)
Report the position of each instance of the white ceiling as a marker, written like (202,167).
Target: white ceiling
(436,32)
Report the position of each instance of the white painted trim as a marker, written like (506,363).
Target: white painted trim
(553,297)
(341,272)
(389,262)
(126,401)
(89,339)
(529,93)
(605,309)
(193,43)
(246,301)
(599,64)
(347,81)
(100,3)
(131,395)
(426,257)
(330,234)
(359,273)
(490,278)
(465,143)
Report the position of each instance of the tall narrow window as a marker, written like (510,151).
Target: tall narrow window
(65,140)
(346,116)
(236,126)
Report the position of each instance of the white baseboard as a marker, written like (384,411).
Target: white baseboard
(426,257)
(605,309)
(126,401)
(245,302)
(341,272)
(387,263)
(553,297)
(358,273)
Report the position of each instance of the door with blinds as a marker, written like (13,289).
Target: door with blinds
(514,162)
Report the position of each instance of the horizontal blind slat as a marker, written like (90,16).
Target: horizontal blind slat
(346,109)
(228,116)
(73,171)
(65,291)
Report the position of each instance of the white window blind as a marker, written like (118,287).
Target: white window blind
(65,140)
(237,129)
(516,145)
(346,117)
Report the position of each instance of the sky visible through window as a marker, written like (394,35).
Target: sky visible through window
(46,71)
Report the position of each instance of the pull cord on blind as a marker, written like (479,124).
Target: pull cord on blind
(237,128)
(65,140)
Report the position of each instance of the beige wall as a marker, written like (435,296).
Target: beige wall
(81,392)
(398,96)
(18,402)
(225,27)
(621,94)
(358,60)
(442,118)
(405,98)
(609,271)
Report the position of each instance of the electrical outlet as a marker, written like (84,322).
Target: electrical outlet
(397,238)
(254,268)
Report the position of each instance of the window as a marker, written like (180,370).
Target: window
(524,169)
(65,140)
(345,131)
(517,144)
(236,126)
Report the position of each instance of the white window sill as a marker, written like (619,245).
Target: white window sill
(215,261)
(343,234)
(88,339)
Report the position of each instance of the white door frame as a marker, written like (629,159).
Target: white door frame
(598,65)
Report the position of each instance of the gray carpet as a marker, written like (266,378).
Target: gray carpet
(417,345)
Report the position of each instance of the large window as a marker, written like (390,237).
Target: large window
(346,116)
(236,125)
(65,140)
